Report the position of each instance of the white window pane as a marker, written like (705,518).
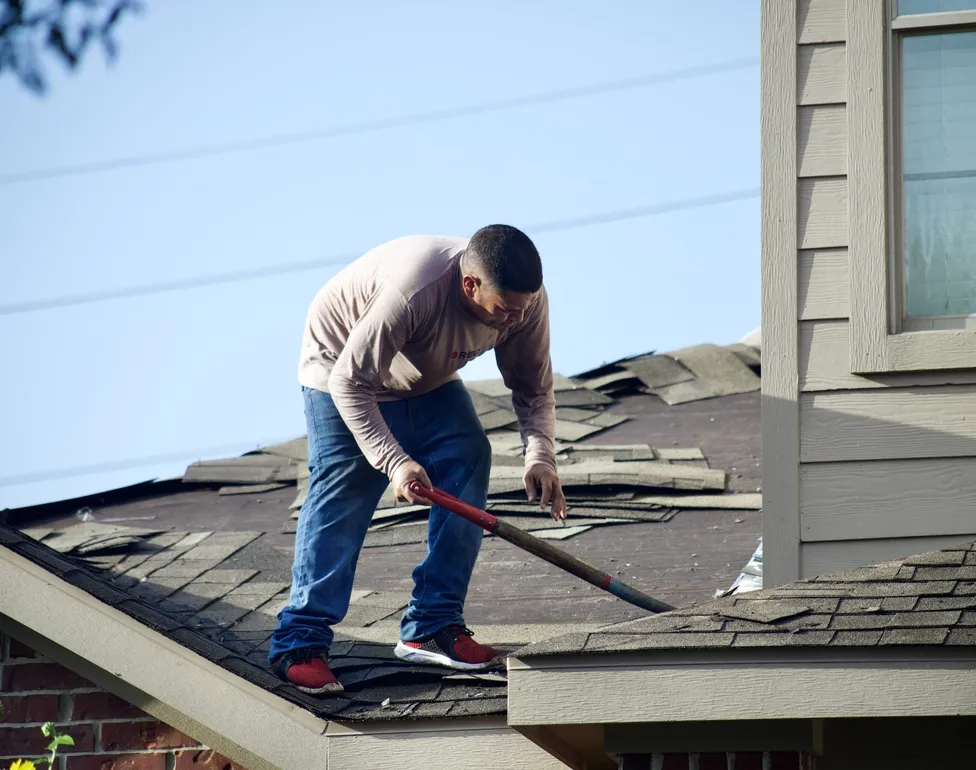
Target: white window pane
(939,170)
(934,6)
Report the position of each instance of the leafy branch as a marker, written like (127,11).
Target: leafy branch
(65,27)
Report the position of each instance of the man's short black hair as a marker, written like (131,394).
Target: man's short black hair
(506,258)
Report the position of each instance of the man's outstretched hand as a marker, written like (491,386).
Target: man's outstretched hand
(408,472)
(542,484)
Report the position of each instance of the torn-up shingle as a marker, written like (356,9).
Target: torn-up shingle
(764,610)
(92,538)
(717,369)
(401,535)
(250,489)
(878,605)
(295,449)
(730,501)
(247,469)
(563,533)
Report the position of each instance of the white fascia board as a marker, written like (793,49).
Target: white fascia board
(736,685)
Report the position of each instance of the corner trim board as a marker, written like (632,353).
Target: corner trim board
(780,382)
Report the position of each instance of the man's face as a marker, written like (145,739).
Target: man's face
(498,310)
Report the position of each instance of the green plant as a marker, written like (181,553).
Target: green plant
(57,739)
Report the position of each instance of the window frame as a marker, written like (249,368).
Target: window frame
(881,338)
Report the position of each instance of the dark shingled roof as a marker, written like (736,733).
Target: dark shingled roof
(661,456)
(924,600)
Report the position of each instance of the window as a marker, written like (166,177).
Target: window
(912,184)
(936,77)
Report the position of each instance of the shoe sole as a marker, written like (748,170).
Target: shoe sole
(413,655)
(329,689)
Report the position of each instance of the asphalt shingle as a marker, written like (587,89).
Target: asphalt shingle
(924,600)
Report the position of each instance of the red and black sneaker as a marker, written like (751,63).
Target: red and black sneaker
(309,672)
(453,647)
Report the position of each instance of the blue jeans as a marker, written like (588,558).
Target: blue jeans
(441,431)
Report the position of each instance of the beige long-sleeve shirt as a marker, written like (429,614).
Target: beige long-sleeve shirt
(391,325)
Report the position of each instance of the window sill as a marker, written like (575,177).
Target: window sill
(913,351)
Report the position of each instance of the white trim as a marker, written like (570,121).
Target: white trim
(736,685)
(779,258)
(931,20)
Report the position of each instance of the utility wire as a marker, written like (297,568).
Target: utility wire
(312,264)
(379,124)
(121,465)
(86,470)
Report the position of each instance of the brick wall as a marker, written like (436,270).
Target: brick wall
(769,760)
(109,733)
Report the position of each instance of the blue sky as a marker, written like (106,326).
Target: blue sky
(211,371)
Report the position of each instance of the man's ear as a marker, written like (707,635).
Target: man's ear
(469,283)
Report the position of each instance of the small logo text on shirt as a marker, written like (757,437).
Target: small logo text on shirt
(466,355)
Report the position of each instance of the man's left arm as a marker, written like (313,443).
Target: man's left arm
(525,364)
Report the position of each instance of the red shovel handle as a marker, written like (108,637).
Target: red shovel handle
(542,549)
(438,496)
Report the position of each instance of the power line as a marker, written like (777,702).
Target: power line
(312,264)
(86,470)
(121,465)
(379,124)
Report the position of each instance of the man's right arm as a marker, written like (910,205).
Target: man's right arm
(358,375)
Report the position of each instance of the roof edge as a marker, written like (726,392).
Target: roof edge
(74,628)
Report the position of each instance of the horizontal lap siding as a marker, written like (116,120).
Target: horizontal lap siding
(888,463)
(822,558)
(890,424)
(823,285)
(887,498)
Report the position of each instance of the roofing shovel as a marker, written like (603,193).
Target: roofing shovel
(540,548)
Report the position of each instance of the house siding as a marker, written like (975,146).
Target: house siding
(108,732)
(886,462)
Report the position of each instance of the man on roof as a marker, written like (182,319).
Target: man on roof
(383,343)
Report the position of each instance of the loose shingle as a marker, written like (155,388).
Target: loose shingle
(874,573)
(221,546)
(962,636)
(431,710)
(667,622)
(201,644)
(946,602)
(567,644)
(260,676)
(899,603)
(922,619)
(858,606)
(677,639)
(856,638)
(149,616)
(231,576)
(867,620)
(945,573)
(250,489)
(479,707)
(914,636)
(798,639)
(950,558)
(764,610)
(931,588)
